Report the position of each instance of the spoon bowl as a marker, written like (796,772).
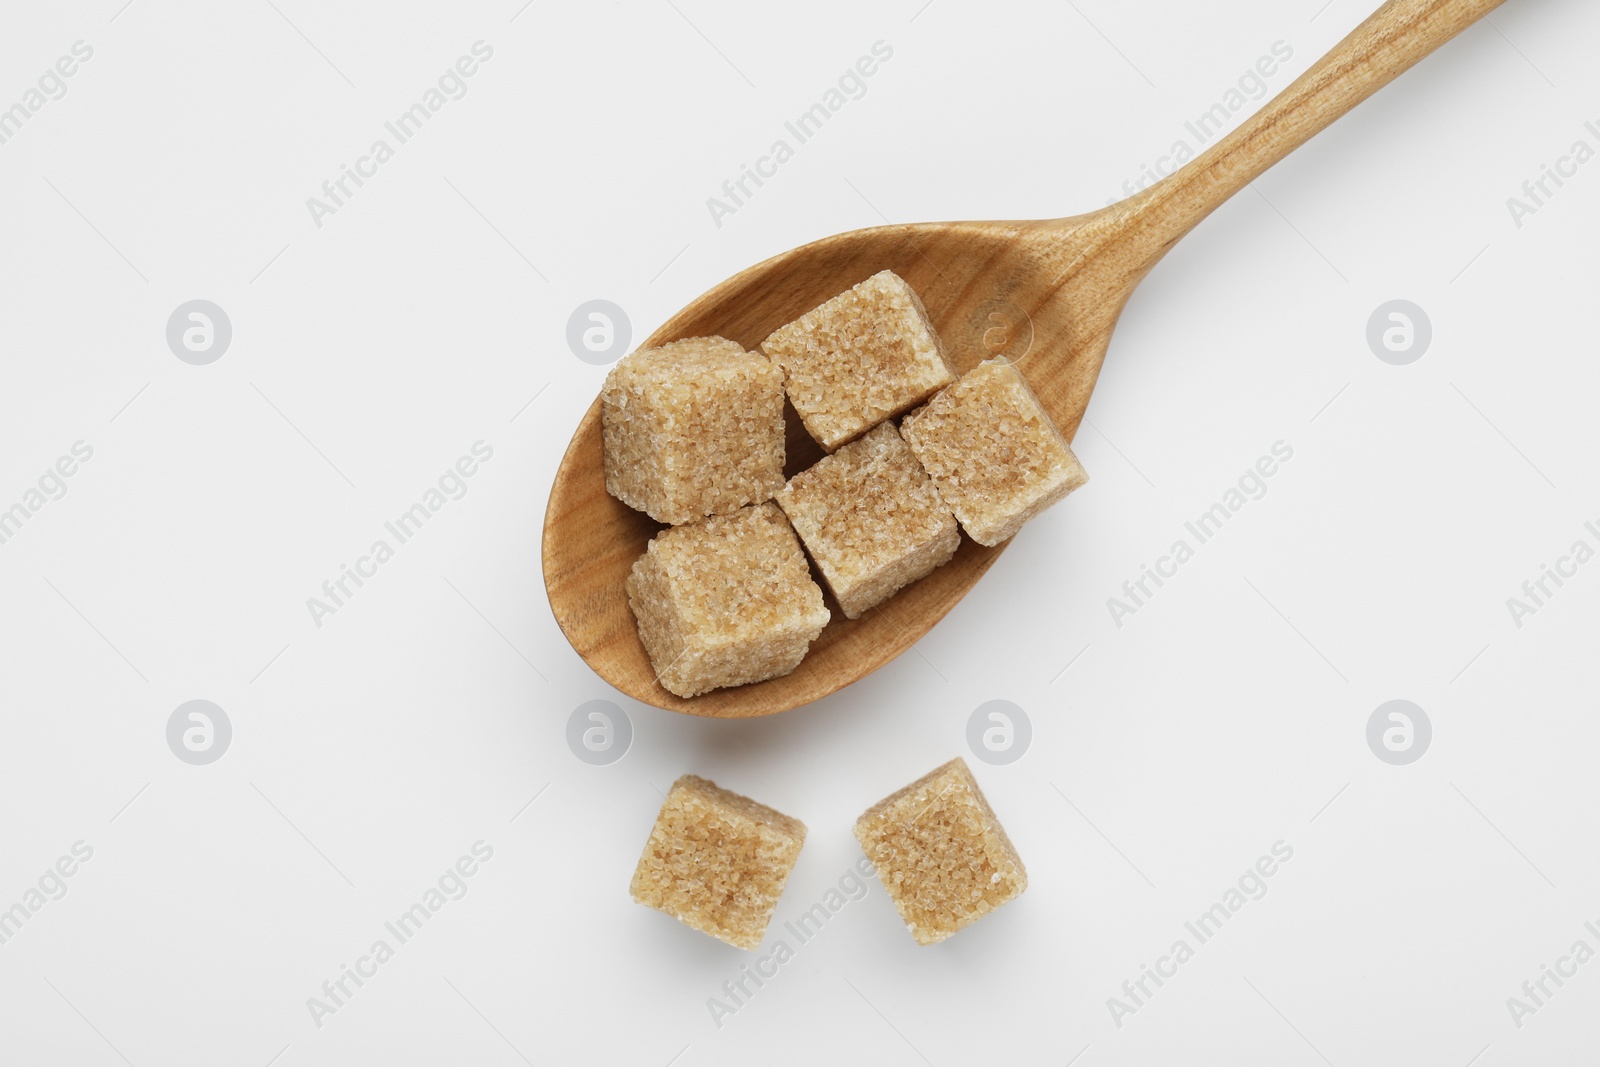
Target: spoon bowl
(986,286)
(1045,294)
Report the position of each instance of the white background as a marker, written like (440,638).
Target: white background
(368,354)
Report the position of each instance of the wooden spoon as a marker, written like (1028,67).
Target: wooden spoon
(1053,289)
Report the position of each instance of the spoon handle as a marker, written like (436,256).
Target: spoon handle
(1395,38)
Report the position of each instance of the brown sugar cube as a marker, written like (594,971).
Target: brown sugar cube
(717,861)
(995,455)
(871,518)
(941,854)
(725,601)
(693,428)
(864,356)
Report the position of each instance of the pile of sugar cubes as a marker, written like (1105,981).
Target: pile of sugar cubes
(694,437)
(717,861)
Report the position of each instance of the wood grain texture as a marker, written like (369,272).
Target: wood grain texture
(1062,282)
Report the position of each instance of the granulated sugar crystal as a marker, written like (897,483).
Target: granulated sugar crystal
(941,853)
(693,428)
(992,451)
(864,356)
(717,861)
(871,519)
(725,601)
